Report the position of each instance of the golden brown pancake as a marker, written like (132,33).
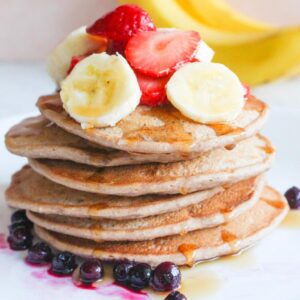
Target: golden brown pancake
(39,138)
(249,158)
(161,129)
(31,191)
(232,237)
(212,212)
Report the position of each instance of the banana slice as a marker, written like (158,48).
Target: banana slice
(77,42)
(204,52)
(100,91)
(206,92)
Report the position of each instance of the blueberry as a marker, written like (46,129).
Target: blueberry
(63,263)
(91,271)
(39,253)
(139,276)
(175,296)
(20,238)
(293,197)
(166,277)
(121,271)
(19,217)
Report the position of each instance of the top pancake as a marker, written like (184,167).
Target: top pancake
(161,129)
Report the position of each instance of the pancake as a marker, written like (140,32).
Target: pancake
(31,191)
(214,211)
(161,129)
(39,138)
(220,166)
(230,238)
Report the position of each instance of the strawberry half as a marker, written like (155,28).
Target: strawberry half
(160,53)
(122,23)
(247,90)
(153,90)
(74,61)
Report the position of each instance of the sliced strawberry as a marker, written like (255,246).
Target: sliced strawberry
(122,23)
(74,61)
(160,53)
(114,47)
(153,90)
(247,90)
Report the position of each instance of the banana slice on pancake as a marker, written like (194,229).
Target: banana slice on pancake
(101,90)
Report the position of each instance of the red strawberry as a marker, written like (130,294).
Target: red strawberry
(160,53)
(153,90)
(114,47)
(247,90)
(74,61)
(122,23)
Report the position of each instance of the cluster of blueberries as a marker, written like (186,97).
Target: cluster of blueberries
(136,276)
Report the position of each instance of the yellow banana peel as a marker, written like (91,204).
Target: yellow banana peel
(169,13)
(259,55)
(264,60)
(219,15)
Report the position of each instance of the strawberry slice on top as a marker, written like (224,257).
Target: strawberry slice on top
(160,53)
(74,61)
(153,89)
(122,23)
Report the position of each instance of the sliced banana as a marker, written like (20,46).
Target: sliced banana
(77,42)
(204,52)
(206,92)
(100,91)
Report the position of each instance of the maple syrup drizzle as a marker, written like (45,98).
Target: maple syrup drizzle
(242,259)
(231,239)
(292,220)
(275,204)
(226,211)
(188,250)
(183,191)
(230,147)
(224,129)
(93,210)
(197,284)
(172,130)
(268,149)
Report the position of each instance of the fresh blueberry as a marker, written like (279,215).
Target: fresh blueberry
(63,263)
(293,197)
(166,277)
(91,271)
(20,238)
(20,217)
(175,296)
(121,271)
(39,253)
(139,276)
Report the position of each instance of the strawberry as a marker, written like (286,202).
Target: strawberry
(160,53)
(74,61)
(114,47)
(153,90)
(247,90)
(122,23)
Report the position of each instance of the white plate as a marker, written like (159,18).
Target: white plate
(271,270)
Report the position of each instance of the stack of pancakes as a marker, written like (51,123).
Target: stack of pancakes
(156,187)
